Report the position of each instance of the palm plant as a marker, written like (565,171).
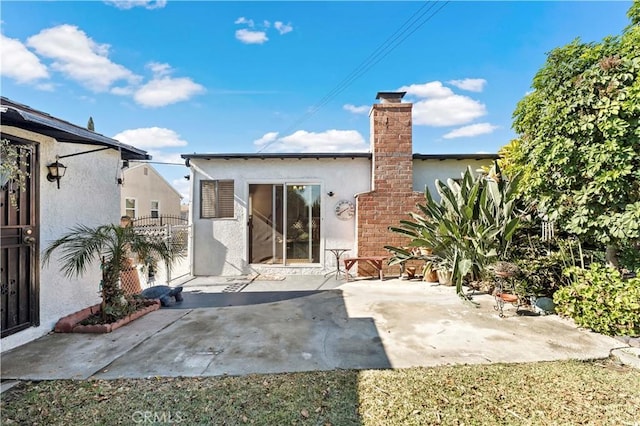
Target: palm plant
(112,245)
(469,228)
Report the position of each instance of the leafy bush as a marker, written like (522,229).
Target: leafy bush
(630,257)
(542,262)
(601,300)
(577,147)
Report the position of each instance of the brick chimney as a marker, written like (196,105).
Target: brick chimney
(392,195)
(391,143)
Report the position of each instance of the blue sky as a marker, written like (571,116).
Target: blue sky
(177,77)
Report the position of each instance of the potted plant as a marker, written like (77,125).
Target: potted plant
(430,272)
(13,169)
(504,269)
(444,270)
(437,269)
(112,246)
(470,223)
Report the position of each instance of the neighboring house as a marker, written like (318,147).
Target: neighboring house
(281,213)
(184,211)
(145,193)
(35,296)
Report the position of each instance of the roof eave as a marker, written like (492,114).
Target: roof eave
(257,156)
(62,131)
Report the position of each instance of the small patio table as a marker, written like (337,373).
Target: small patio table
(337,252)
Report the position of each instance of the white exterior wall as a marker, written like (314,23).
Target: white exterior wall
(147,188)
(88,195)
(425,172)
(220,246)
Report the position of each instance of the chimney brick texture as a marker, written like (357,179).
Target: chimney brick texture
(392,195)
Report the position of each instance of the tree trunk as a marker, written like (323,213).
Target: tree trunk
(612,256)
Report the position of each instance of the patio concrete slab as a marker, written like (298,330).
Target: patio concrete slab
(363,324)
(79,355)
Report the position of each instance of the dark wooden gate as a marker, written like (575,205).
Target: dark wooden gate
(19,246)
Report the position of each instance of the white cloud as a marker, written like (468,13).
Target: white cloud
(432,89)
(470,84)
(80,58)
(266,138)
(282,27)
(243,20)
(158,69)
(251,37)
(439,106)
(451,111)
(150,137)
(303,141)
(122,91)
(130,4)
(164,90)
(363,109)
(470,131)
(19,63)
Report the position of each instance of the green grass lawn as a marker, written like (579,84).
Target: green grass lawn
(550,393)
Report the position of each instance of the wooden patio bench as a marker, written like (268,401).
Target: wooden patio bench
(375,261)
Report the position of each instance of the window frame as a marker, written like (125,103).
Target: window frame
(135,207)
(219,212)
(156,210)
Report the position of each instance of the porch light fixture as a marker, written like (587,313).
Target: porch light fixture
(56,171)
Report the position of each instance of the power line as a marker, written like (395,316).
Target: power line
(382,51)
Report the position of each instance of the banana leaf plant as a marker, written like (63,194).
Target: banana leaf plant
(468,228)
(112,246)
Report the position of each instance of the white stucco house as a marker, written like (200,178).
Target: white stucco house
(35,296)
(282,213)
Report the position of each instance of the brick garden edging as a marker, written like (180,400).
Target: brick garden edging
(70,323)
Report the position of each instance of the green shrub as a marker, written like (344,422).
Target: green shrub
(630,257)
(601,300)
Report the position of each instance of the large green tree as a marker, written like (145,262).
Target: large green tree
(578,148)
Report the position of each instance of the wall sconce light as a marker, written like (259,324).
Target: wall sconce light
(56,171)
(330,193)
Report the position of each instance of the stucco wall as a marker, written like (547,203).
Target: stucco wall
(219,246)
(145,188)
(425,172)
(88,195)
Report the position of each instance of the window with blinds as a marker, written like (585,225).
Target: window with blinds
(216,199)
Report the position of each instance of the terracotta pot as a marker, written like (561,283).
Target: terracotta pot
(509,298)
(411,272)
(445,277)
(431,276)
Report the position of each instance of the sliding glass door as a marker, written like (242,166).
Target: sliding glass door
(284,223)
